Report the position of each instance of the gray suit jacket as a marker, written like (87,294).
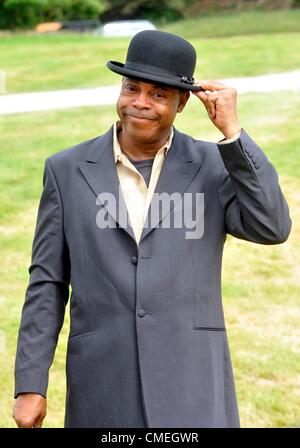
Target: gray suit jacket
(147,343)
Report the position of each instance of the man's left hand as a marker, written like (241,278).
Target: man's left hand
(220,104)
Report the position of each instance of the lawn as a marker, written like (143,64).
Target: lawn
(240,44)
(224,24)
(260,283)
(261,287)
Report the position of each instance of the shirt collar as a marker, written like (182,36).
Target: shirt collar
(116,145)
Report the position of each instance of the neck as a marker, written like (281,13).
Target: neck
(141,149)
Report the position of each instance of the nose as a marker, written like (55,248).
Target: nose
(141,101)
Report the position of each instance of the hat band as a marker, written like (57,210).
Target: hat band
(148,69)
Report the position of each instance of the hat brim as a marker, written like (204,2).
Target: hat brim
(120,69)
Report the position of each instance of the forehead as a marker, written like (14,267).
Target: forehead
(150,85)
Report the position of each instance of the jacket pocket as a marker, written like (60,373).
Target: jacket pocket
(80,335)
(208,313)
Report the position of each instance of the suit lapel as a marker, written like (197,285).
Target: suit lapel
(100,172)
(177,173)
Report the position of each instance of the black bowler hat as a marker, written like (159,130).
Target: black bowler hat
(160,57)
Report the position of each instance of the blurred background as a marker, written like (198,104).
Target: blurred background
(55,91)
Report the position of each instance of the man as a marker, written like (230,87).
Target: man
(147,344)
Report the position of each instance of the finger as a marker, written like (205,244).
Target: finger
(19,424)
(25,423)
(198,93)
(208,99)
(212,110)
(197,83)
(201,94)
(209,106)
(207,95)
(212,96)
(212,99)
(39,421)
(211,85)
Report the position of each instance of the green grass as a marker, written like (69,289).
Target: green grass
(260,283)
(236,44)
(261,288)
(224,24)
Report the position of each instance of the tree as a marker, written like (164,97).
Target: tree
(143,9)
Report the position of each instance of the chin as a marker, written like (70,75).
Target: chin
(145,136)
(141,128)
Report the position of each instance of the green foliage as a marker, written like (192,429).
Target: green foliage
(159,10)
(21,13)
(28,13)
(59,10)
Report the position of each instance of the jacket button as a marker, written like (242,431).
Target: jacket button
(134,260)
(141,313)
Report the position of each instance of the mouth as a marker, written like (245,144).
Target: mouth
(140,117)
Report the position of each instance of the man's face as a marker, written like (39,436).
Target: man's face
(148,110)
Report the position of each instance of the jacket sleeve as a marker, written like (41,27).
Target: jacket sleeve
(46,295)
(254,206)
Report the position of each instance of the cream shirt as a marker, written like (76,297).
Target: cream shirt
(137,195)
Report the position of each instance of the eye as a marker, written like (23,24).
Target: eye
(158,95)
(129,88)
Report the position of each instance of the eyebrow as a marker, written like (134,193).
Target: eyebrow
(154,84)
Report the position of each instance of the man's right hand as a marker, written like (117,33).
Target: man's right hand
(29,410)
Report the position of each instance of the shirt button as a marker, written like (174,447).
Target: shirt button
(141,313)
(134,260)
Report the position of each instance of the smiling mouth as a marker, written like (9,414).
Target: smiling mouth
(138,117)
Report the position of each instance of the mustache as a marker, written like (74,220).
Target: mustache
(136,114)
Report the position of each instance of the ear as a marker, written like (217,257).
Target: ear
(183,98)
